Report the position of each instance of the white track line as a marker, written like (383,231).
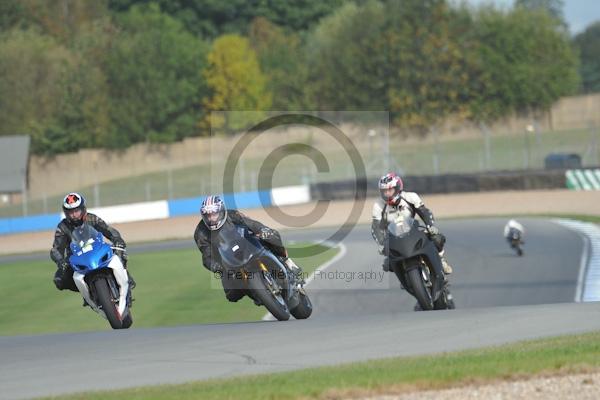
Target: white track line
(588,281)
(336,258)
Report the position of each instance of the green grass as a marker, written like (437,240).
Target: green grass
(550,356)
(508,152)
(173,288)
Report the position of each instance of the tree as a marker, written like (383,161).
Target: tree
(153,70)
(588,44)
(347,52)
(527,62)
(61,19)
(33,69)
(400,56)
(236,83)
(283,60)
(11,14)
(430,68)
(57,76)
(211,18)
(552,7)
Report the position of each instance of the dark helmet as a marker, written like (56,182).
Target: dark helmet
(387,182)
(214,212)
(74,208)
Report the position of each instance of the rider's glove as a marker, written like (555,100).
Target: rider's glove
(433,230)
(63,266)
(216,267)
(266,233)
(120,250)
(380,248)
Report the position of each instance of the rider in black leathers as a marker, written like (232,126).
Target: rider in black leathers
(76,214)
(214,216)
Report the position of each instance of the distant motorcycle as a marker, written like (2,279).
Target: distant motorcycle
(515,240)
(414,259)
(252,267)
(100,277)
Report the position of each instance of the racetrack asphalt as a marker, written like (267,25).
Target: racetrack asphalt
(360,314)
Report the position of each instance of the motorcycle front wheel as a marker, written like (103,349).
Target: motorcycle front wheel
(420,291)
(105,300)
(304,308)
(266,289)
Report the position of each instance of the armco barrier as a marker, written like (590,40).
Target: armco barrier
(133,212)
(232,200)
(451,183)
(290,195)
(162,209)
(29,224)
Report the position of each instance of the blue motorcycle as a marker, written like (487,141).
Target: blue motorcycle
(100,276)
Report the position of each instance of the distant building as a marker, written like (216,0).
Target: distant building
(14,160)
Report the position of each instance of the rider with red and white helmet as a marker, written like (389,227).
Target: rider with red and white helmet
(75,211)
(396,203)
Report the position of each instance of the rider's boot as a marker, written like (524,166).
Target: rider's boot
(256,301)
(132,283)
(386,264)
(447,268)
(294,269)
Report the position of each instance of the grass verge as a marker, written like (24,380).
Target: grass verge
(553,356)
(173,288)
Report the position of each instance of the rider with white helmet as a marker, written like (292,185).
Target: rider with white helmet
(214,216)
(397,203)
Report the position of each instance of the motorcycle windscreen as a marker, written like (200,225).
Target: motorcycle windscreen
(87,249)
(401,226)
(235,248)
(83,236)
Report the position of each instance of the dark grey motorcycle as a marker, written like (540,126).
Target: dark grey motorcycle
(415,260)
(515,240)
(250,266)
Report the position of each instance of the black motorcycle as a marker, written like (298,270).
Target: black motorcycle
(416,262)
(515,240)
(250,266)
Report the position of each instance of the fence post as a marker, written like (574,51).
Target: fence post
(436,157)
(593,143)
(24,198)
(148,192)
(526,151)
(485,130)
(96,195)
(169,182)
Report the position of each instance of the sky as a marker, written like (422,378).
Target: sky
(578,13)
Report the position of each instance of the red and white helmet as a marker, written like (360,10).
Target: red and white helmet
(388,182)
(74,208)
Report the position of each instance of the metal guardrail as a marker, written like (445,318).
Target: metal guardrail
(449,183)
